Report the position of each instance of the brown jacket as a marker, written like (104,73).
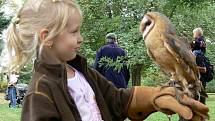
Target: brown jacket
(48,98)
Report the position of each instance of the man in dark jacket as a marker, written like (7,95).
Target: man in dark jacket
(112,50)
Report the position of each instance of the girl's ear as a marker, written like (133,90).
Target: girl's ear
(43,34)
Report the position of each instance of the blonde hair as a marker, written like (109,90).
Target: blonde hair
(35,15)
(199,30)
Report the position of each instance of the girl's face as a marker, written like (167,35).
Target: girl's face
(196,34)
(67,44)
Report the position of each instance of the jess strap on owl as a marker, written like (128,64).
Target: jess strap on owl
(147,100)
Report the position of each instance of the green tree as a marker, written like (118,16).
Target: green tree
(3,24)
(123,17)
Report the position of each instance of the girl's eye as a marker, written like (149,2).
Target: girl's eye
(74,31)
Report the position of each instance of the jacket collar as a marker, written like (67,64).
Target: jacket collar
(57,71)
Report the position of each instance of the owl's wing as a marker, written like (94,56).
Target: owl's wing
(179,48)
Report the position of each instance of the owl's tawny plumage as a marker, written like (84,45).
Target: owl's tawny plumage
(171,53)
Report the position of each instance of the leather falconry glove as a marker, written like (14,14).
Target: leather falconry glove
(169,100)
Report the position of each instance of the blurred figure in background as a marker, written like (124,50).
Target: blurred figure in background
(199,42)
(199,50)
(112,50)
(13,79)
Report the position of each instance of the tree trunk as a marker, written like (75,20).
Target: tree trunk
(109,7)
(1,77)
(136,75)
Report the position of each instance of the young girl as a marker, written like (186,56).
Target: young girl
(63,87)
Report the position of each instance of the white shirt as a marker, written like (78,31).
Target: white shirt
(84,98)
(13,79)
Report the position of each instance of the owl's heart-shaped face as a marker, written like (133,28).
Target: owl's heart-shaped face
(146,25)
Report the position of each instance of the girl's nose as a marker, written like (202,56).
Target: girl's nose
(80,40)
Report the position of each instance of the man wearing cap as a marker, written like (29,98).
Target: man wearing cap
(112,50)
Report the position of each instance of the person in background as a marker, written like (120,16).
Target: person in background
(199,41)
(198,47)
(201,67)
(13,78)
(113,51)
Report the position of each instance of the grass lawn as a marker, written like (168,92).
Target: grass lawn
(7,114)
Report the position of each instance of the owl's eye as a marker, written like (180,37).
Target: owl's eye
(148,23)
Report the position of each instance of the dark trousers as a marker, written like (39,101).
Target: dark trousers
(12,95)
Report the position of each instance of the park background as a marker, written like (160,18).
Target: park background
(123,18)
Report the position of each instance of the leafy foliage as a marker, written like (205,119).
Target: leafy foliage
(3,24)
(123,18)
